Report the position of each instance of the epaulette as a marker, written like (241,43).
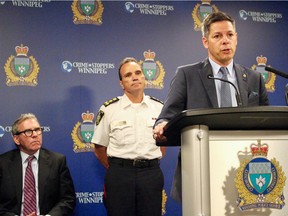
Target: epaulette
(155,99)
(111,101)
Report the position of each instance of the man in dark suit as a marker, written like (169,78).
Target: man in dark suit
(55,194)
(192,89)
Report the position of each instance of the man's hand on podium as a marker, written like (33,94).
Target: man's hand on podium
(159,131)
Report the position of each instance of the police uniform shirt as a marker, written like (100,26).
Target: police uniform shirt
(126,129)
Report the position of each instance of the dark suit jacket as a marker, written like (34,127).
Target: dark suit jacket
(56,189)
(191,89)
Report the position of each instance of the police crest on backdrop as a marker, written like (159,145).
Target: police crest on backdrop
(21,70)
(153,70)
(260,182)
(87,12)
(268,77)
(200,11)
(82,134)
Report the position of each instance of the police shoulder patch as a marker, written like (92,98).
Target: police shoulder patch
(155,99)
(111,101)
(99,117)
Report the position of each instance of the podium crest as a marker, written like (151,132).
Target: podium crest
(260,182)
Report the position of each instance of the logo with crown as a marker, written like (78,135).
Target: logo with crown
(21,69)
(87,12)
(259,181)
(82,133)
(153,70)
(268,77)
(200,11)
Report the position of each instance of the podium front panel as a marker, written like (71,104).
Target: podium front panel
(228,151)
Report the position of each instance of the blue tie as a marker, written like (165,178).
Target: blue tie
(225,92)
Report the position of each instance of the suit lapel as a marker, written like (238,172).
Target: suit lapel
(43,174)
(16,173)
(209,84)
(242,82)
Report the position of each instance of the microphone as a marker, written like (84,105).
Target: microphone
(237,94)
(280,73)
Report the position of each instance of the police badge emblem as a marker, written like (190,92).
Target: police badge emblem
(22,69)
(87,11)
(82,134)
(153,70)
(268,77)
(201,11)
(260,182)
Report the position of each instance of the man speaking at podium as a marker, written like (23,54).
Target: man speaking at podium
(215,82)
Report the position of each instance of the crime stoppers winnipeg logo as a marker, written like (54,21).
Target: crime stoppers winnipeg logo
(21,69)
(82,134)
(87,12)
(260,182)
(153,70)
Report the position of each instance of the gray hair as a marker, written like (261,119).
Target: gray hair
(22,118)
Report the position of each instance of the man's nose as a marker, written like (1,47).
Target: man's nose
(225,39)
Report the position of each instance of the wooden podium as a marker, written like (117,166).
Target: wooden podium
(196,130)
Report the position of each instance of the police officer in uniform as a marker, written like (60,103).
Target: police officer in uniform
(124,145)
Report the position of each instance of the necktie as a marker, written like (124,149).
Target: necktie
(29,189)
(225,91)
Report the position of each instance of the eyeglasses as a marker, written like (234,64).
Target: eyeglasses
(29,132)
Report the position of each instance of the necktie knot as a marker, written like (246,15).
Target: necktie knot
(30,159)
(224,72)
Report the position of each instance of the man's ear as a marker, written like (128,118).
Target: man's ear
(121,84)
(205,42)
(16,139)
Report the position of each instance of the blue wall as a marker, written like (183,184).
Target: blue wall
(59,95)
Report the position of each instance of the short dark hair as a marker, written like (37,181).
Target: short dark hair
(124,61)
(215,17)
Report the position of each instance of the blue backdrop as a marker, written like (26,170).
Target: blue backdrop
(59,60)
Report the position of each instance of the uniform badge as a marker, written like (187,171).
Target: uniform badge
(87,12)
(260,182)
(22,69)
(82,134)
(200,11)
(268,77)
(99,117)
(153,70)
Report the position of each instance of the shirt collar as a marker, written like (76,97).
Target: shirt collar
(216,67)
(125,102)
(24,156)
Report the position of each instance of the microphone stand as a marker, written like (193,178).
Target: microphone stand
(282,74)
(237,94)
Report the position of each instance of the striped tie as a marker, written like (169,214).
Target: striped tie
(29,189)
(225,91)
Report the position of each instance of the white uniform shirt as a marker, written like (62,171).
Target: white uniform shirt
(126,129)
